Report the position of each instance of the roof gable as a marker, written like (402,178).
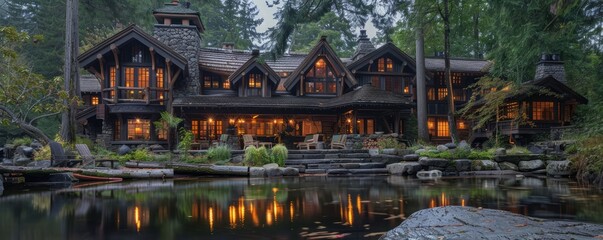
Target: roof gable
(251,64)
(322,49)
(551,83)
(122,37)
(388,48)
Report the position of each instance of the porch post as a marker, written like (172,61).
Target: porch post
(354,124)
(397,122)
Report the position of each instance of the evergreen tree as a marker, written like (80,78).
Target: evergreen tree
(338,32)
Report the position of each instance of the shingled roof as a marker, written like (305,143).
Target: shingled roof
(458,65)
(254,63)
(376,53)
(122,37)
(89,84)
(365,95)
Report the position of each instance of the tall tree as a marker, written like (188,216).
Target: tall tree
(24,95)
(338,32)
(423,131)
(71,72)
(445,15)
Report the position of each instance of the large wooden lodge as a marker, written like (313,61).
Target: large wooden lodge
(135,76)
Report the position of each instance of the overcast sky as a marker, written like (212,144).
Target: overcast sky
(268,14)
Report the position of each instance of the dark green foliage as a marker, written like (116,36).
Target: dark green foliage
(256,156)
(460,154)
(389,142)
(24,141)
(279,154)
(337,30)
(219,153)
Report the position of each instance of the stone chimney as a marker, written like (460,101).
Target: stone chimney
(255,52)
(550,64)
(364,46)
(180,28)
(228,46)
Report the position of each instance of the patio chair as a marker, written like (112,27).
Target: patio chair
(88,158)
(58,158)
(309,141)
(222,141)
(338,141)
(249,141)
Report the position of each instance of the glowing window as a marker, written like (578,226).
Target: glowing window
(442,93)
(431,94)
(139,129)
(390,65)
(443,130)
(381,65)
(542,111)
(159,76)
(94,100)
(431,126)
(255,80)
(112,80)
(143,77)
(129,77)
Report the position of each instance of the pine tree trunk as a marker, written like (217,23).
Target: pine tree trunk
(447,75)
(422,130)
(71,78)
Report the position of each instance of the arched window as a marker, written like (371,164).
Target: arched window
(320,79)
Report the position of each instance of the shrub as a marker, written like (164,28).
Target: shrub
(219,153)
(459,154)
(42,153)
(279,154)
(140,155)
(389,142)
(256,156)
(195,159)
(24,141)
(186,140)
(518,150)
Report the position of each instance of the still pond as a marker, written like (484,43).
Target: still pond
(278,208)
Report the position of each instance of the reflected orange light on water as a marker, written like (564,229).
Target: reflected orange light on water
(350,212)
(242,210)
(462,202)
(211,219)
(359,204)
(291,211)
(268,217)
(232,216)
(137,218)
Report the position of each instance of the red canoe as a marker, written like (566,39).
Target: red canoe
(82,177)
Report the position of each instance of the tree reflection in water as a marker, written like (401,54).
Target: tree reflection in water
(280,208)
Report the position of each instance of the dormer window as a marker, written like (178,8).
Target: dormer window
(254,84)
(214,81)
(320,79)
(136,54)
(385,65)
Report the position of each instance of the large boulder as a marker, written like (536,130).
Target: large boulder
(405,168)
(508,166)
(463,145)
(484,165)
(450,145)
(257,172)
(39,163)
(434,162)
(558,168)
(123,150)
(289,171)
(270,165)
(441,148)
(237,159)
(156,147)
(22,161)
(456,222)
(500,152)
(528,166)
(536,149)
(274,172)
(462,165)
(411,157)
(25,151)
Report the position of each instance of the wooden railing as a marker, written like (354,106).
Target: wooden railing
(146,95)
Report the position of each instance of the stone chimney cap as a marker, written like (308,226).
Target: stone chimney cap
(323,38)
(255,52)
